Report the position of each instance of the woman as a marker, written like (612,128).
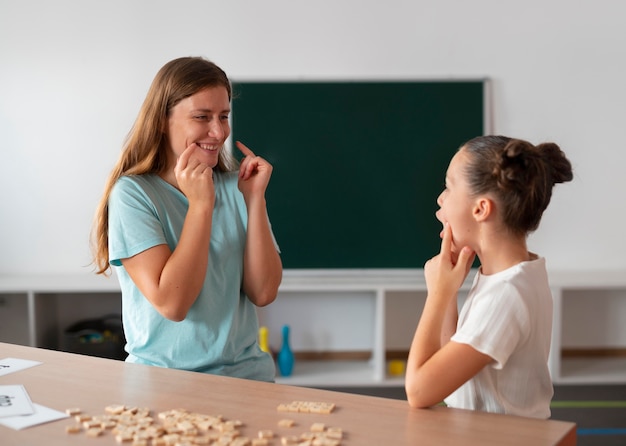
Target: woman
(188,232)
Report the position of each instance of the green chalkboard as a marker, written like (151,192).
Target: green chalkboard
(358,166)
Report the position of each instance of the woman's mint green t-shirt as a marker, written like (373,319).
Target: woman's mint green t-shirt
(219,334)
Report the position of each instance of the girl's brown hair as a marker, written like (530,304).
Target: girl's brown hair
(518,174)
(145,149)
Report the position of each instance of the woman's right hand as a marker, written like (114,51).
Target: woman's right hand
(172,280)
(194,179)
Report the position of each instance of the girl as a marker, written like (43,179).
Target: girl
(187,230)
(493,355)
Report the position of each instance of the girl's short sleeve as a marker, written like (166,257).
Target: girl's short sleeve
(494,323)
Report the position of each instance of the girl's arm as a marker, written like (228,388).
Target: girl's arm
(262,265)
(436,367)
(171,281)
(450,320)
(444,372)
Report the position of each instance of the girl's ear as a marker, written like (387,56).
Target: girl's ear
(483,208)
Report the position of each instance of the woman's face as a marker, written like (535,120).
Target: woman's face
(200,120)
(456,203)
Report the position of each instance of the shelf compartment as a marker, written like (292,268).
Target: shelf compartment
(593,371)
(14,327)
(330,374)
(322,321)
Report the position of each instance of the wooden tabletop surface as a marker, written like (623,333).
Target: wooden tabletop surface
(64,381)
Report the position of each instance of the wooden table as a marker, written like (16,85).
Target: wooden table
(66,380)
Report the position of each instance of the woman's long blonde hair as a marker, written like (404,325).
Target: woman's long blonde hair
(145,149)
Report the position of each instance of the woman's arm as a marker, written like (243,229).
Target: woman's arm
(262,265)
(172,280)
(261,262)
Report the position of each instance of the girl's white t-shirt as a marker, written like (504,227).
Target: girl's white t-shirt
(508,316)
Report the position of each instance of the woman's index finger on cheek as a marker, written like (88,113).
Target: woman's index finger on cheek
(244,149)
(183,158)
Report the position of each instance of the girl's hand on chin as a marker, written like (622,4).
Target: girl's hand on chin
(454,250)
(446,271)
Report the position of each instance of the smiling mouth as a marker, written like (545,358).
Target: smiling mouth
(208,147)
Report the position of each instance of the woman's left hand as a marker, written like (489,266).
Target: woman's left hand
(254,173)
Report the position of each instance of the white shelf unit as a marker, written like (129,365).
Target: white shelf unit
(589,311)
(373,311)
(398,298)
(35,309)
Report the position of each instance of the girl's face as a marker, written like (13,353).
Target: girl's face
(456,204)
(202,120)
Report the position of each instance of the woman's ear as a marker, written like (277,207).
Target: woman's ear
(483,208)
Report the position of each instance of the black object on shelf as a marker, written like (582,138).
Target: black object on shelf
(102,337)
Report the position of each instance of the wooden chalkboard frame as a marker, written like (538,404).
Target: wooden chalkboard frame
(358,165)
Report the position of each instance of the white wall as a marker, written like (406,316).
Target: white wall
(73,75)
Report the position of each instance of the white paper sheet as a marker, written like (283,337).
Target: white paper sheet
(14,400)
(10,365)
(42,415)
